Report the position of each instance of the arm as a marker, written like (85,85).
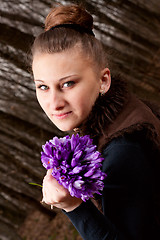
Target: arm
(126,198)
(91,223)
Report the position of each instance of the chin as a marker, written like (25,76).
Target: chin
(64,128)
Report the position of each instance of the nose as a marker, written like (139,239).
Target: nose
(56,100)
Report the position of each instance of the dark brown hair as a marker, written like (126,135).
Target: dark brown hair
(59,39)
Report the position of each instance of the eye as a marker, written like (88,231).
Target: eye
(68,84)
(43,87)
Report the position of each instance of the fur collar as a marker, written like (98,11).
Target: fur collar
(117,113)
(105,110)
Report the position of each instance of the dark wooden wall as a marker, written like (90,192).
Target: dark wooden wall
(129,29)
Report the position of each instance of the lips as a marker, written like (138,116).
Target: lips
(62,115)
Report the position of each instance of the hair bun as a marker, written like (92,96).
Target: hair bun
(71,14)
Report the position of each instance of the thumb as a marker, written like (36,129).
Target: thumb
(49,172)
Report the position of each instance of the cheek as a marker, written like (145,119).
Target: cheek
(41,101)
(84,102)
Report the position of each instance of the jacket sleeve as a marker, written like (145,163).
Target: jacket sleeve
(126,197)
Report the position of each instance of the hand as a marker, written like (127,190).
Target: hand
(56,195)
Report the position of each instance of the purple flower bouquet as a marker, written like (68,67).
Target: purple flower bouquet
(76,165)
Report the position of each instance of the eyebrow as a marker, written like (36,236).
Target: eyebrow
(61,79)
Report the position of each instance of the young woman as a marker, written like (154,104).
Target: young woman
(75,89)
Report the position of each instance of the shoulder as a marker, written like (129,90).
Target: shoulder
(125,156)
(123,147)
(122,143)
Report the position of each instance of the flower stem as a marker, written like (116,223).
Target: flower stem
(36,184)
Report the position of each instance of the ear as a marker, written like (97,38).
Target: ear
(105,81)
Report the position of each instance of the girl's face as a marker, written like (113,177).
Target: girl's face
(66,87)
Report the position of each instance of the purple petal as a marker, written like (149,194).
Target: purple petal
(77,169)
(89,173)
(72,159)
(78,184)
(47,149)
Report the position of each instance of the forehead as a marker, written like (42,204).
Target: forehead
(59,64)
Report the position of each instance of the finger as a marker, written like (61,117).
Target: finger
(49,172)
